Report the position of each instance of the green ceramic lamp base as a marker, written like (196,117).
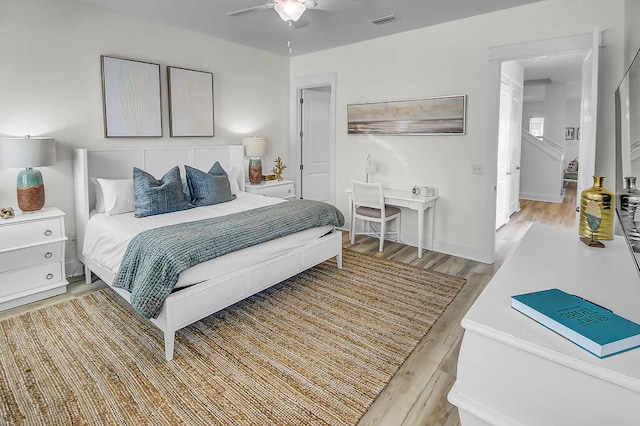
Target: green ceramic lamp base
(30,190)
(255,170)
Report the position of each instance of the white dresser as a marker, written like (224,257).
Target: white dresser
(32,261)
(273,188)
(514,371)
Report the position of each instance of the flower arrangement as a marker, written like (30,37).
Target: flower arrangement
(278,168)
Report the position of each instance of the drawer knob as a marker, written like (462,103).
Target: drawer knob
(48,254)
(289,191)
(49,276)
(48,232)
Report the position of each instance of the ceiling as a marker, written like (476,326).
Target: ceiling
(330,24)
(565,68)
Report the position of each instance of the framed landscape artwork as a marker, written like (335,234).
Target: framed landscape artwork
(429,116)
(130,98)
(190,102)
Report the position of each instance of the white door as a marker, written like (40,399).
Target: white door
(588,118)
(315,170)
(515,142)
(503,154)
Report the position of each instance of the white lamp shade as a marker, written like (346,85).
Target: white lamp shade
(27,152)
(370,166)
(290,10)
(255,147)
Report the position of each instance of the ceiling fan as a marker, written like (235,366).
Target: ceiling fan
(289,10)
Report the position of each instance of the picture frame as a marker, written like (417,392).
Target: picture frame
(130,98)
(569,133)
(442,115)
(191,111)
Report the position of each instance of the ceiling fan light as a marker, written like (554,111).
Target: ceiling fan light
(290,10)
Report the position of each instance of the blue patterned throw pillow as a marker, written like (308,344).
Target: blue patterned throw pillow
(208,188)
(155,196)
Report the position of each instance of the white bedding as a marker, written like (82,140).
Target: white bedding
(107,238)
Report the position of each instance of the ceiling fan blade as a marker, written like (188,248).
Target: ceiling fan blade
(249,9)
(336,5)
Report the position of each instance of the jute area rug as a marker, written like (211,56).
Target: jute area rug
(315,349)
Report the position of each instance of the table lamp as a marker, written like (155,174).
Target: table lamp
(255,148)
(370,167)
(28,152)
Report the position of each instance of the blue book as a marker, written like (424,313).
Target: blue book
(588,325)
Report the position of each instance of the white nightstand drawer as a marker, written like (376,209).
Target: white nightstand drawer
(30,256)
(30,278)
(25,233)
(280,191)
(272,188)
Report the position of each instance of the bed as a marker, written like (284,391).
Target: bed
(209,287)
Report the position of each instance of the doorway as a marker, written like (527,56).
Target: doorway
(314,147)
(587,45)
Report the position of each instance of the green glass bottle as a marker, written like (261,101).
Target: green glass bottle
(597,211)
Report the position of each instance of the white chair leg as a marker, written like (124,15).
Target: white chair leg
(382,226)
(353,229)
(399,228)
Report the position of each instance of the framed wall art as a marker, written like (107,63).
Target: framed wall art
(190,102)
(569,133)
(443,115)
(131,98)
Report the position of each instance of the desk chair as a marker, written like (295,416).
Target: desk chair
(368,205)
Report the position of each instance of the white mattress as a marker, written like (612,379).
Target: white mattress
(107,238)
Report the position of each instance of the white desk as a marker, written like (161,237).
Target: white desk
(514,371)
(406,199)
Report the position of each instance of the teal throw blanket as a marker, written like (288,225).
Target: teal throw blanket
(154,258)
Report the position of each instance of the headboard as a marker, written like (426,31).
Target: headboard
(119,163)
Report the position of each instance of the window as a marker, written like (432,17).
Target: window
(536,126)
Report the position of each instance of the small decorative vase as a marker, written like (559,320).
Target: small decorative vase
(597,207)
(628,201)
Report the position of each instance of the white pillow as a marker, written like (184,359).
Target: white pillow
(118,195)
(233,175)
(99,196)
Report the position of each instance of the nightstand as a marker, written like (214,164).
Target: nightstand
(273,188)
(32,263)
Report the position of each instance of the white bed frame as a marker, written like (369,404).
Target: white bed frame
(193,303)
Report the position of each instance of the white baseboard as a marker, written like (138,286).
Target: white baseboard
(547,198)
(458,250)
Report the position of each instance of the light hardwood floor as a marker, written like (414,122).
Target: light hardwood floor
(417,395)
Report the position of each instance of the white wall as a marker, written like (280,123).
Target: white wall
(541,177)
(50,85)
(632,31)
(448,59)
(555,112)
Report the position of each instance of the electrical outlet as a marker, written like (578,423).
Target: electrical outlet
(72,240)
(477,169)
